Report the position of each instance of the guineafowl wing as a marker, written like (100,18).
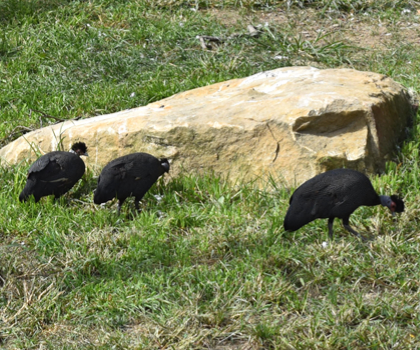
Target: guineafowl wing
(40,164)
(331,197)
(58,166)
(134,166)
(46,170)
(142,171)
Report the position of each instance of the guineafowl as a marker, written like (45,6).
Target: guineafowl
(335,194)
(55,173)
(130,175)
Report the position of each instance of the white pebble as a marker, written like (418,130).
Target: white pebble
(281,57)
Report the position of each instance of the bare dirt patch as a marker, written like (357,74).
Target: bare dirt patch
(363,30)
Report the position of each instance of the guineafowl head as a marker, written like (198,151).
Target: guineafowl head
(398,204)
(165,164)
(394,203)
(80,149)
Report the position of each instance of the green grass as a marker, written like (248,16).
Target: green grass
(201,266)
(208,266)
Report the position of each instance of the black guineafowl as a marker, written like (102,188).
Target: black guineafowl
(130,175)
(335,194)
(55,173)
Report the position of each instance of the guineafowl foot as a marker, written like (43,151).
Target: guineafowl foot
(66,201)
(330,228)
(357,234)
(120,203)
(137,201)
(139,211)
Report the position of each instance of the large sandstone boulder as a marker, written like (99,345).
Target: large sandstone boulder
(292,123)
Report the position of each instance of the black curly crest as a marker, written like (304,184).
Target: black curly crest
(399,203)
(79,146)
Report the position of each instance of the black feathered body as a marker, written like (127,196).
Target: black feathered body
(130,175)
(333,194)
(53,173)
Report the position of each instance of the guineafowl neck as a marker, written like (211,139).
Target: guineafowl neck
(385,200)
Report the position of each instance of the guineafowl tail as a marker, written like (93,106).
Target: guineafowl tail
(298,215)
(100,196)
(292,224)
(97,197)
(105,191)
(23,197)
(28,190)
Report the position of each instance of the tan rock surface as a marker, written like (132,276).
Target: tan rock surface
(290,122)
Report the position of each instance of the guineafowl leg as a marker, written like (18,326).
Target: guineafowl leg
(120,203)
(348,228)
(330,228)
(136,204)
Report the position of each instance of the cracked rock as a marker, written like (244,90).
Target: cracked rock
(291,123)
